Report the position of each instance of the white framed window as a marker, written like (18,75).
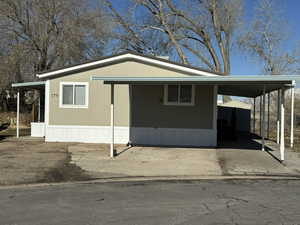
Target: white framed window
(74,94)
(182,94)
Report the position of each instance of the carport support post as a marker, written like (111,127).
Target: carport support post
(260,115)
(282,147)
(112,119)
(263,130)
(18,114)
(278,116)
(39,111)
(292,116)
(268,128)
(254,109)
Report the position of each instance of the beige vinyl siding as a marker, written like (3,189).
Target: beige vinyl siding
(135,69)
(148,109)
(98,111)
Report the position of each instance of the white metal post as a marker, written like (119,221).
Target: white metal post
(292,116)
(260,115)
(215,114)
(282,146)
(215,107)
(268,126)
(278,116)
(47,107)
(254,120)
(263,130)
(130,113)
(112,119)
(39,110)
(18,114)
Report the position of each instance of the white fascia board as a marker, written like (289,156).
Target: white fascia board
(28,84)
(129,56)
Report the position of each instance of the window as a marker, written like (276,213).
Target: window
(179,95)
(74,94)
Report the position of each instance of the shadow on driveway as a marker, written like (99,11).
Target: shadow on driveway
(244,156)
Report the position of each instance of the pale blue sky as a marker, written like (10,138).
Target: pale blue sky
(243,65)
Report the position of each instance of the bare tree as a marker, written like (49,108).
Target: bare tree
(51,33)
(202,28)
(266,38)
(40,35)
(129,32)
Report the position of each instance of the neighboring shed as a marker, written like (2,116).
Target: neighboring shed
(242,111)
(237,104)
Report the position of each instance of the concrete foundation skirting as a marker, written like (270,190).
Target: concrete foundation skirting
(173,136)
(37,129)
(136,135)
(86,134)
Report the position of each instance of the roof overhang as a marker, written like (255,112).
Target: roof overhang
(127,56)
(32,85)
(244,86)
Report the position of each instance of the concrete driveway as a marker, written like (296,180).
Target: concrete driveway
(162,161)
(250,162)
(244,157)
(31,161)
(145,161)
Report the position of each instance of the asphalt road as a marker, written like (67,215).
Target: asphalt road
(145,203)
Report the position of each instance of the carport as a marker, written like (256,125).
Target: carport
(242,86)
(38,126)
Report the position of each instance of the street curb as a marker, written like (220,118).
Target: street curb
(154,179)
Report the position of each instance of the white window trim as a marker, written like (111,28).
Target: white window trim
(61,105)
(166,102)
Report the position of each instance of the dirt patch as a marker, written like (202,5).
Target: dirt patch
(11,132)
(66,171)
(24,162)
(297,147)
